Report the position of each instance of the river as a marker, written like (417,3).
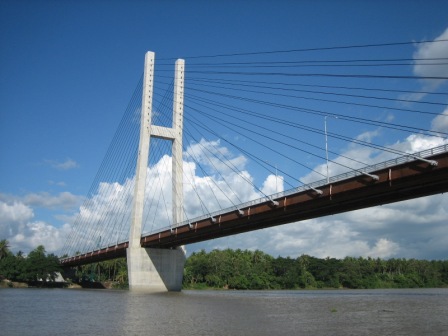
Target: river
(324,312)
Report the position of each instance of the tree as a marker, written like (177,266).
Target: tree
(122,276)
(8,267)
(4,248)
(196,268)
(12,267)
(41,267)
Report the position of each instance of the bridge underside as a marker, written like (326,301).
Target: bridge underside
(402,182)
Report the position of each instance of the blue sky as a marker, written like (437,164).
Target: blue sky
(68,70)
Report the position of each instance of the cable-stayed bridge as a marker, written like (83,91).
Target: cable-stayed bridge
(196,183)
(396,180)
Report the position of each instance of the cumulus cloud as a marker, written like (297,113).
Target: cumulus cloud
(18,223)
(40,233)
(13,217)
(429,67)
(272,185)
(15,212)
(440,123)
(327,237)
(23,233)
(104,218)
(213,155)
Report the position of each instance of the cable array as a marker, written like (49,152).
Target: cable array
(101,219)
(256,123)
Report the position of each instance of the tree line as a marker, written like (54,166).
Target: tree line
(36,267)
(41,268)
(242,269)
(238,269)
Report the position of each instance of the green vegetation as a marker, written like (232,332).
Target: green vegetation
(38,266)
(237,269)
(4,248)
(112,271)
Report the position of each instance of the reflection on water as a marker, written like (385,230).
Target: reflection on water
(338,312)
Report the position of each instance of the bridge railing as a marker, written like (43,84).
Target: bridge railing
(315,185)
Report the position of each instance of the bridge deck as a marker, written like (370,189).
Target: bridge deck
(397,183)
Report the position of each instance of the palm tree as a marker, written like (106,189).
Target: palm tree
(122,275)
(4,248)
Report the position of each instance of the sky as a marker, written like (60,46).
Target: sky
(68,71)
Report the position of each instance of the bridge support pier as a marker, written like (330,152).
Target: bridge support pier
(155,270)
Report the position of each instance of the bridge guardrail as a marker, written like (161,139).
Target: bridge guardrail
(314,185)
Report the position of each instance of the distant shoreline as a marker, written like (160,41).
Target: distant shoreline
(108,286)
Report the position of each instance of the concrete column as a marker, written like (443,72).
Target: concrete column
(143,152)
(178,117)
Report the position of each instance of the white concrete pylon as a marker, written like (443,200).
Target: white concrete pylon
(178,121)
(143,151)
(152,269)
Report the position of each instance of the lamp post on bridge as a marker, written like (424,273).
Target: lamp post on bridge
(326,144)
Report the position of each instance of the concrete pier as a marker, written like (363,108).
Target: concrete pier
(155,270)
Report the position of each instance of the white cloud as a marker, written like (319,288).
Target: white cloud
(272,185)
(17,226)
(384,248)
(368,136)
(13,217)
(40,233)
(107,213)
(427,65)
(440,123)
(216,157)
(325,237)
(419,142)
(16,212)
(429,51)
(65,200)
(64,165)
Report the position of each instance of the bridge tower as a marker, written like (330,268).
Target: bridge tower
(151,269)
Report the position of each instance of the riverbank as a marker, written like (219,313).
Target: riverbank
(12,284)
(33,284)
(69,285)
